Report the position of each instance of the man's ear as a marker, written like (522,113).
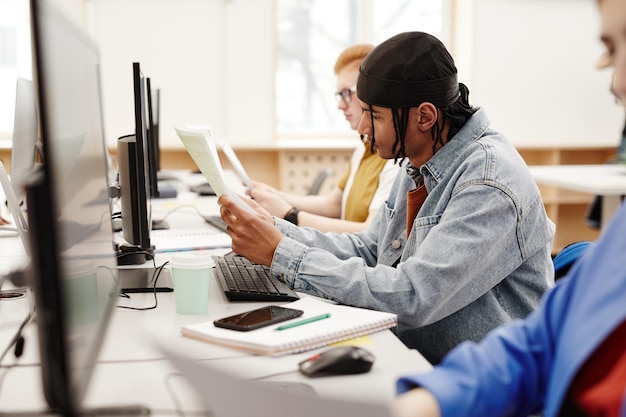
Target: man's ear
(426,114)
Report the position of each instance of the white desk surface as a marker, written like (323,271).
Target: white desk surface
(607,181)
(594,179)
(132,370)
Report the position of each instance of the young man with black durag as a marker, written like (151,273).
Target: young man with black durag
(461,246)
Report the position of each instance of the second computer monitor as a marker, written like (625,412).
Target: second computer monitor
(134,178)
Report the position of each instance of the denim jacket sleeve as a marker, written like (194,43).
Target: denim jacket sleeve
(428,283)
(303,253)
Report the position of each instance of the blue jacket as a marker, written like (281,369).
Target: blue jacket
(529,365)
(478,254)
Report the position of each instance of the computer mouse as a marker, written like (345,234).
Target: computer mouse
(341,360)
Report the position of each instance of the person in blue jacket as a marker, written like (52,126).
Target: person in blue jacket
(528,365)
(568,358)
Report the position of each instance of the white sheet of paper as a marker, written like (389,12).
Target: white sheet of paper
(229,396)
(201,147)
(235,162)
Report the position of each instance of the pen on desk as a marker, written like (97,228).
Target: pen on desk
(301,322)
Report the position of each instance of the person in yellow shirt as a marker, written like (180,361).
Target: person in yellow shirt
(365,185)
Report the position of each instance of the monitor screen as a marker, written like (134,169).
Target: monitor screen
(155,98)
(152,142)
(74,276)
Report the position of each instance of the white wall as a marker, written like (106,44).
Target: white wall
(75,10)
(529,63)
(534,72)
(212,60)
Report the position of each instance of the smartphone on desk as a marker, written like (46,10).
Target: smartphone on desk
(258,318)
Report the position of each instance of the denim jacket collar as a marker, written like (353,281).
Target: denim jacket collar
(443,159)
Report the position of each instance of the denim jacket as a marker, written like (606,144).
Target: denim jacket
(478,254)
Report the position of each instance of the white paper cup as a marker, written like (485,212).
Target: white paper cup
(191,275)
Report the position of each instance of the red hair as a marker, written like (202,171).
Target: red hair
(352,57)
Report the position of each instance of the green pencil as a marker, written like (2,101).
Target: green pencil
(301,322)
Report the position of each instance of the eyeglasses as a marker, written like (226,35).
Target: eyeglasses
(345,94)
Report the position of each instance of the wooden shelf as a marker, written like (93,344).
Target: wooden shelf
(567,209)
(294,167)
(285,168)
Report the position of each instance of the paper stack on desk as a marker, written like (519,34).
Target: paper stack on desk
(344,323)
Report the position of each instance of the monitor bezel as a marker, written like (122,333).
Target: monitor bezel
(65,377)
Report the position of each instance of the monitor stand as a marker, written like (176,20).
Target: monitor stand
(140,280)
(122,411)
(136,271)
(133,255)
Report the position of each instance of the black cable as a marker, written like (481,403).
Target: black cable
(18,336)
(155,278)
(167,214)
(18,342)
(19,347)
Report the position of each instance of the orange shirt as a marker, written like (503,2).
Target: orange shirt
(414,200)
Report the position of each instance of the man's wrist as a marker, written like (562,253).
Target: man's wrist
(292,215)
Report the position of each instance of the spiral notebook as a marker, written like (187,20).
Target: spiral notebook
(175,240)
(344,323)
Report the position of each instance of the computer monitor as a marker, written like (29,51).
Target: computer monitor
(156,110)
(25,137)
(134,181)
(158,189)
(152,142)
(74,276)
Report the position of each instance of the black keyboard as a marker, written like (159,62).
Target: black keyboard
(243,280)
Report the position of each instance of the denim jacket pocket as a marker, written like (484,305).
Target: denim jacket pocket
(388,214)
(422,226)
(388,209)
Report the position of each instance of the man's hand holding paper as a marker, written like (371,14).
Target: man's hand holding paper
(253,234)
